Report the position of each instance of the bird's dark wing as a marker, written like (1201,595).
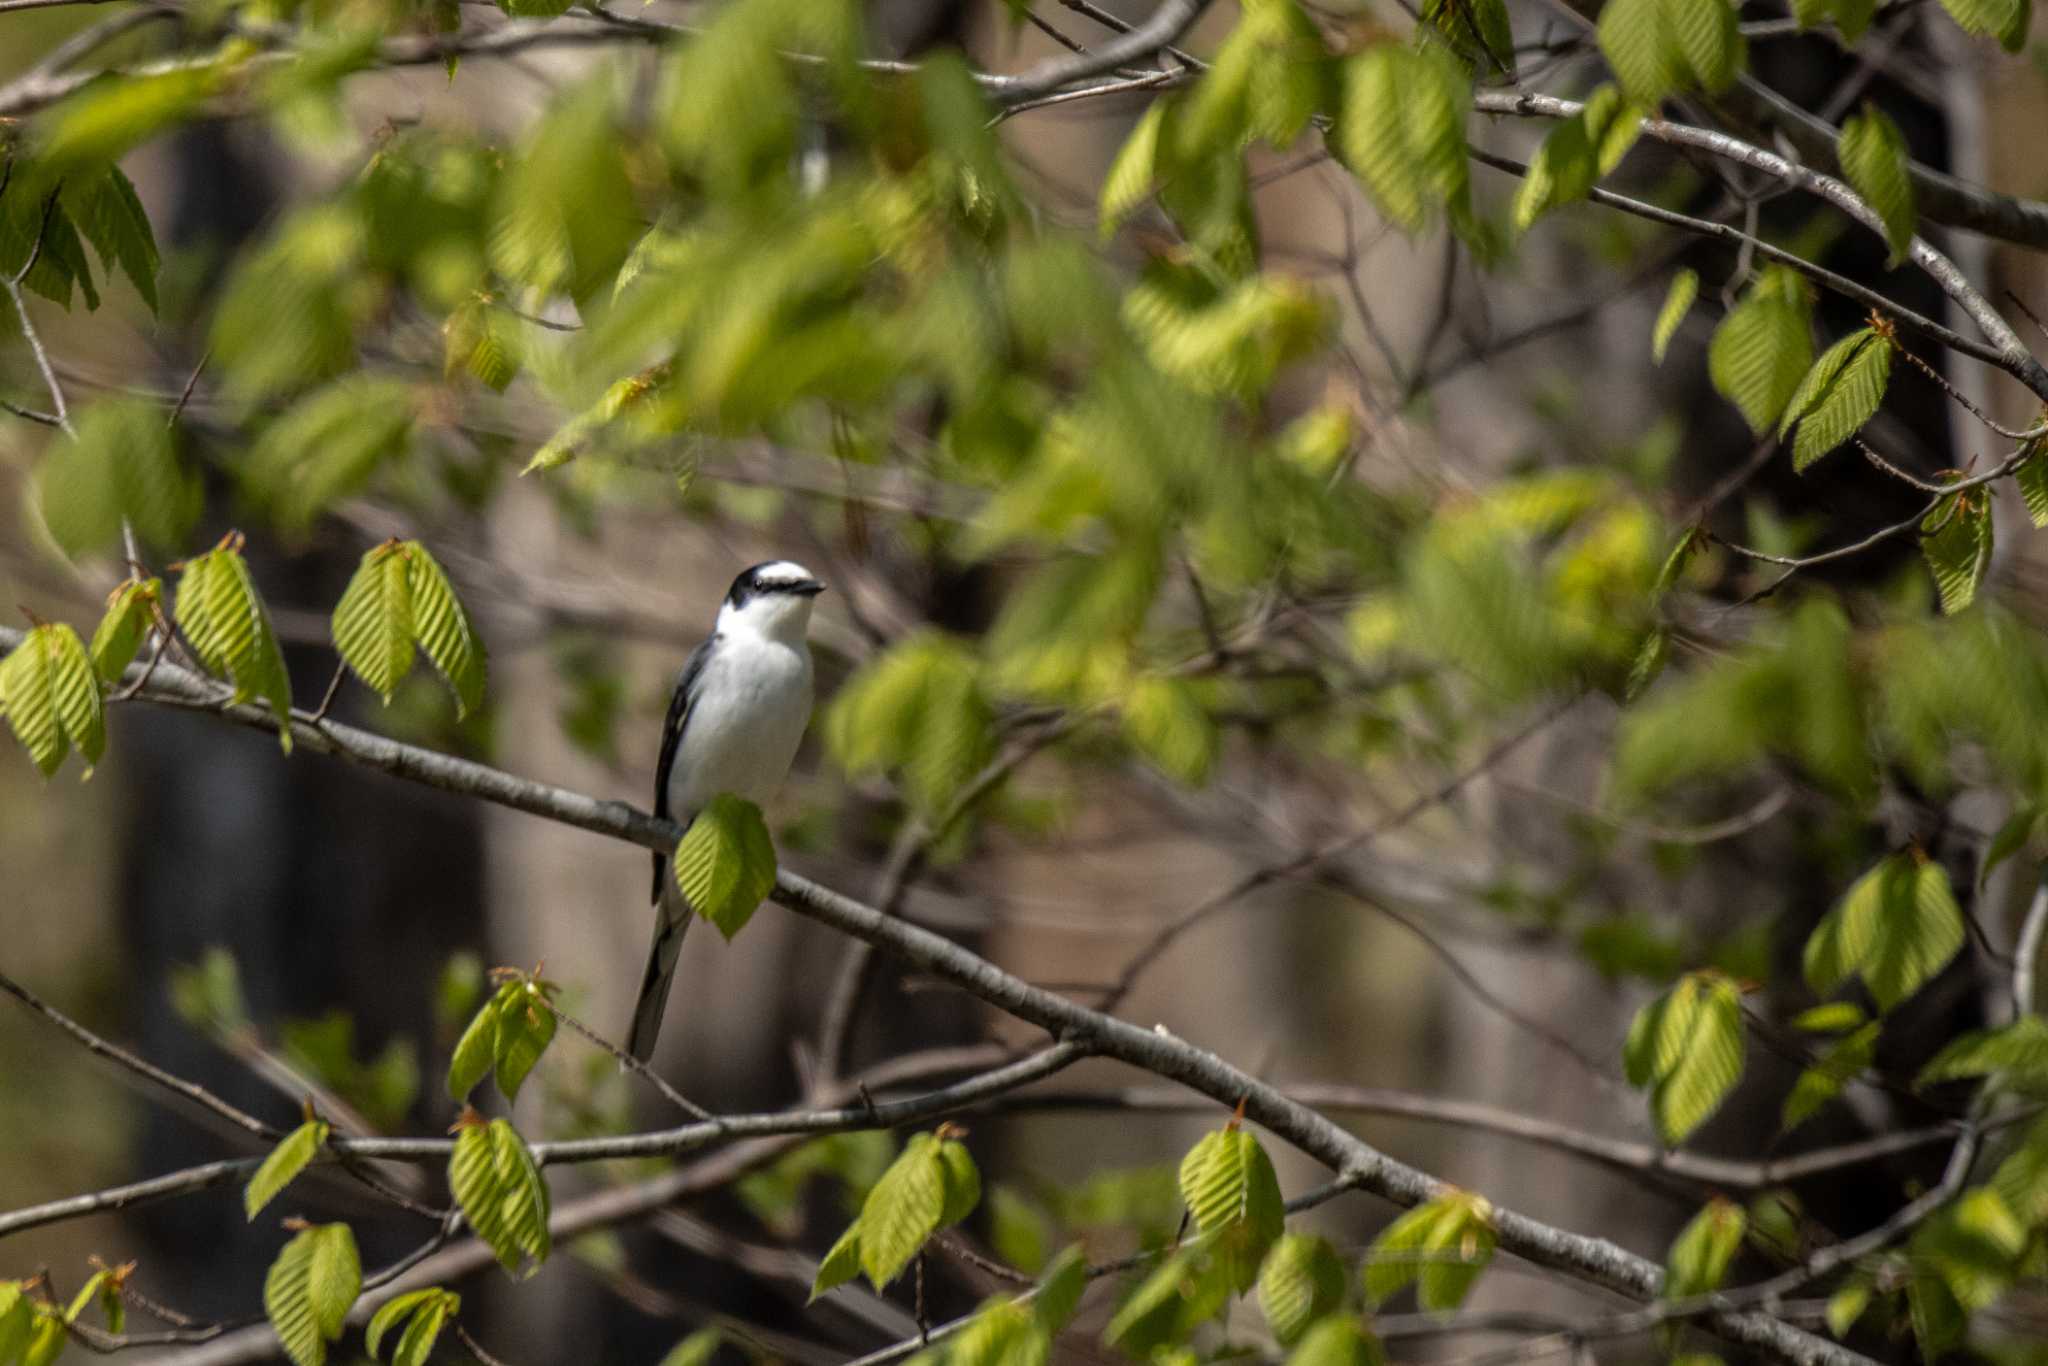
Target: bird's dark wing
(671,740)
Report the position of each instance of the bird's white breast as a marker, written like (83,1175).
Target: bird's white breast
(753,702)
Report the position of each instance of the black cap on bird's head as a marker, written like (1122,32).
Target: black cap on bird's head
(772,578)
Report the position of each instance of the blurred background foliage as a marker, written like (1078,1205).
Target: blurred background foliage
(1247,514)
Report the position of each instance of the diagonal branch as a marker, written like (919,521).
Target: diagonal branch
(1590,1259)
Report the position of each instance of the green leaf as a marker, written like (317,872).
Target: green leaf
(106,210)
(502,1194)
(75,694)
(1301,1280)
(227,624)
(2018,1051)
(1704,1249)
(442,627)
(1560,173)
(51,694)
(526,1026)
(725,863)
(107,117)
(1338,1340)
(1835,1017)
(1762,349)
(285,1162)
(1688,1048)
(373,625)
(1165,719)
(2019,832)
(17,1321)
(391,1313)
(1838,395)
(1182,1292)
(1135,172)
(963,1182)
(477,1050)
(1822,1082)
(902,1211)
(1846,1305)
(1230,1188)
(1956,540)
(123,464)
(131,611)
(1441,1247)
(1401,130)
(2032,477)
(841,1264)
(1477,30)
(1678,301)
(1874,157)
(416,1344)
(327,446)
(1896,927)
(2005,20)
(1002,1333)
(310,1289)
(1060,1289)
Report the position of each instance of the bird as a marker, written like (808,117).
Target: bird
(739,711)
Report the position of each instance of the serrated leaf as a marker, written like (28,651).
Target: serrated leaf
(284,1163)
(131,611)
(963,1182)
(502,1194)
(1762,349)
(27,692)
(1678,302)
(2005,20)
(1839,395)
(2018,1050)
(442,627)
(1704,1249)
(1896,927)
(841,1263)
(1688,1048)
(725,863)
(1060,1289)
(1823,1081)
(1338,1340)
(526,1026)
(1876,162)
(1477,30)
(902,1211)
(373,623)
(1956,541)
(1440,1247)
(121,465)
(477,1050)
(1165,719)
(75,693)
(416,1344)
(106,210)
(328,445)
(1560,173)
(2032,477)
(1301,1280)
(1401,130)
(227,624)
(309,1290)
(1230,1188)
(391,1313)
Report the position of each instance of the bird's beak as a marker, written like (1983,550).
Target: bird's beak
(810,588)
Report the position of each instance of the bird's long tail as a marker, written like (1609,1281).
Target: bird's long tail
(671,920)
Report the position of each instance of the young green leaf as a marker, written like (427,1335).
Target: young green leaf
(1301,1280)
(1838,395)
(1762,349)
(1401,130)
(697,1349)
(75,693)
(131,611)
(310,1289)
(122,464)
(2005,20)
(424,1312)
(1873,154)
(1440,1247)
(1688,1048)
(373,622)
(1678,301)
(442,627)
(51,694)
(841,1264)
(2018,1051)
(1659,47)
(1704,1249)
(1956,540)
(526,1026)
(106,209)
(1895,928)
(502,1193)
(327,445)
(2032,477)
(285,1162)
(725,863)
(476,1052)
(1477,30)
(1060,1289)
(1845,1060)
(903,1210)
(224,618)
(1233,1193)
(1165,719)
(1338,1340)
(1135,172)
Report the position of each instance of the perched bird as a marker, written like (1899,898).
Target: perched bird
(738,714)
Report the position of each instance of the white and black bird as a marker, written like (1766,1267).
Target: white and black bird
(734,724)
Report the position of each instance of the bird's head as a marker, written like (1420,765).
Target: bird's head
(771,599)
